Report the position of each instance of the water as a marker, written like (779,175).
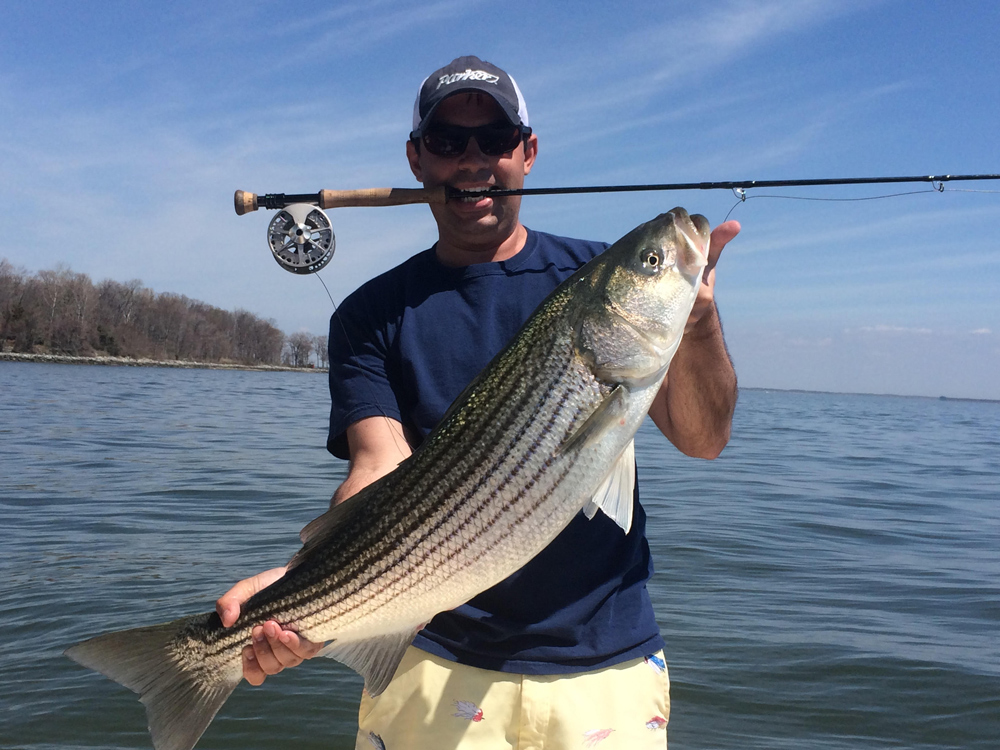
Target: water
(831,582)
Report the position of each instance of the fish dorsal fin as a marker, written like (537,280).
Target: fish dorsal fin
(318,530)
(321,526)
(375,659)
(615,495)
(327,525)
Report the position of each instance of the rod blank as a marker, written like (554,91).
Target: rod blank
(247,202)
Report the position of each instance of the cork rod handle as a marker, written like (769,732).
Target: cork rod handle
(380,197)
(246,202)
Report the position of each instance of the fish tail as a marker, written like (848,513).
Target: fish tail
(181,692)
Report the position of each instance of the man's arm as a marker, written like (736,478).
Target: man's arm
(694,407)
(377,446)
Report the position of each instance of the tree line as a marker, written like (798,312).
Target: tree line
(62,312)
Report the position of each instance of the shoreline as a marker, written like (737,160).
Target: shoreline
(65,359)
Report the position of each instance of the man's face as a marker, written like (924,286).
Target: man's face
(480,224)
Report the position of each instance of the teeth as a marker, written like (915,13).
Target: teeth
(474,198)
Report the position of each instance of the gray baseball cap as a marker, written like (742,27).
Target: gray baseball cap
(468,74)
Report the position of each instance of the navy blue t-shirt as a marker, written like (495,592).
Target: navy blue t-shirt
(405,345)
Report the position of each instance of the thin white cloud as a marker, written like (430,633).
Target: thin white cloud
(886,329)
(686,46)
(366,26)
(890,329)
(810,343)
(672,52)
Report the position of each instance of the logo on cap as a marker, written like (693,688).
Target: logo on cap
(468,75)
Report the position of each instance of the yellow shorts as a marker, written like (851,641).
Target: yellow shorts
(435,704)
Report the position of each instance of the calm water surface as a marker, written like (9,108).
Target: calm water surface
(831,582)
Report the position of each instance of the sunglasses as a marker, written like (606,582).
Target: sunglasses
(495,139)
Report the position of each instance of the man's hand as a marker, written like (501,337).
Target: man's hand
(704,303)
(694,407)
(274,647)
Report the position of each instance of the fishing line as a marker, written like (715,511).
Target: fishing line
(971,190)
(328,293)
(371,388)
(743,198)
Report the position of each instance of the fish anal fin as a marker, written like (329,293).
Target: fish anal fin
(615,495)
(375,659)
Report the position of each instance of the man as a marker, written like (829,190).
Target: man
(566,651)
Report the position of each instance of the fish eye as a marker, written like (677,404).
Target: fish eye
(652,259)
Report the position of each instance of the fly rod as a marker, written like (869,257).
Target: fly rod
(301,235)
(246,202)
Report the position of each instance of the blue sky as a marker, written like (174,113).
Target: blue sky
(126,127)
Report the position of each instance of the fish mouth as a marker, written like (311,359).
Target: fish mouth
(692,256)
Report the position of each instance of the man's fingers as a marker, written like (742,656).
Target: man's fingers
(722,235)
(229,613)
(288,647)
(299,646)
(228,605)
(252,672)
(279,642)
(264,652)
(274,649)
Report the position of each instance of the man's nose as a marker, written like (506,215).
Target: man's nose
(473,152)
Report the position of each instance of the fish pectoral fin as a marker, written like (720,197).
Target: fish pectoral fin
(615,495)
(614,406)
(374,659)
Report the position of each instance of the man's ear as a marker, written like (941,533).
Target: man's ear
(530,152)
(414,158)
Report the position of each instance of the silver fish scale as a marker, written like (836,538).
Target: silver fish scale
(460,514)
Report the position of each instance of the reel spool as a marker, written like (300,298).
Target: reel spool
(301,238)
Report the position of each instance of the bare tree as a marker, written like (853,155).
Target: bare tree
(63,311)
(322,352)
(16,322)
(300,346)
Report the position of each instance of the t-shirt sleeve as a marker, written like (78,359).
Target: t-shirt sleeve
(359,368)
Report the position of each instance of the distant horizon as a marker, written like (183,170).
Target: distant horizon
(859,393)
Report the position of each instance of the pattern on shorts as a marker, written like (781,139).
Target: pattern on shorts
(594,736)
(468,710)
(656,723)
(658,665)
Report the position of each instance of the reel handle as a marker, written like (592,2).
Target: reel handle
(246,202)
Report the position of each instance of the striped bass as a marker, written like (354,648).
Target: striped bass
(544,432)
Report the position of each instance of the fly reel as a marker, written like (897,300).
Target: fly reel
(301,238)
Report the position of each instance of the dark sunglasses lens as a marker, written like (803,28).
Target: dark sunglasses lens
(497,140)
(445,142)
(493,140)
